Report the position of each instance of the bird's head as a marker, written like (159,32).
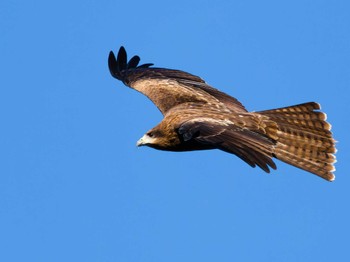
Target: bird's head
(158,139)
(152,138)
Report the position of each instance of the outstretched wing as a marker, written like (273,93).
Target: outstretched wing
(253,148)
(167,87)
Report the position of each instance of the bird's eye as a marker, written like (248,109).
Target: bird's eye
(154,133)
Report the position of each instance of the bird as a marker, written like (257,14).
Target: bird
(197,116)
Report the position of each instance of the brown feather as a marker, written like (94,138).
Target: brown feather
(304,138)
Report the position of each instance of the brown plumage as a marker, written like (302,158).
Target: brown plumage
(198,116)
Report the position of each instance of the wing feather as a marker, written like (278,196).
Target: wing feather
(167,87)
(253,148)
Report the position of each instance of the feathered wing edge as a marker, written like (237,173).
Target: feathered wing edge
(118,66)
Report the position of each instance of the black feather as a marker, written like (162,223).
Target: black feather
(122,59)
(120,66)
(134,61)
(113,65)
(145,65)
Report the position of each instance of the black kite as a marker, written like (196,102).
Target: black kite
(198,116)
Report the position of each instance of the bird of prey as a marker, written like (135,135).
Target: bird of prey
(198,116)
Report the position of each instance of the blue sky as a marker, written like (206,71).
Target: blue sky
(73,185)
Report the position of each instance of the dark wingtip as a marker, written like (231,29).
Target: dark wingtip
(122,59)
(113,65)
(145,65)
(134,61)
(118,65)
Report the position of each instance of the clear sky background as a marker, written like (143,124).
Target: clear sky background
(73,185)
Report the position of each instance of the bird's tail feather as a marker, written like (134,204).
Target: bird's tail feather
(303,138)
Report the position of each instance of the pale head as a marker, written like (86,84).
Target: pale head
(146,140)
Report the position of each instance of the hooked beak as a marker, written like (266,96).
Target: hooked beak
(140,142)
(145,141)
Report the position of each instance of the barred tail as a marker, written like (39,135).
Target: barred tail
(303,138)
